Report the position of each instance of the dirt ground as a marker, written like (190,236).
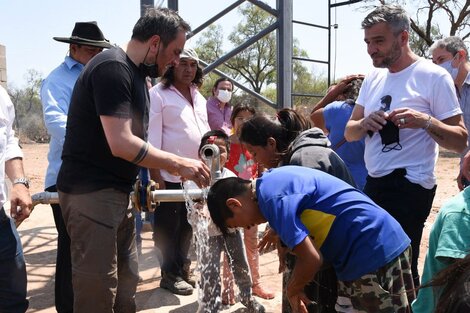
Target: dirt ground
(38,235)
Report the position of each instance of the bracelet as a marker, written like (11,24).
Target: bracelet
(428,123)
(22,180)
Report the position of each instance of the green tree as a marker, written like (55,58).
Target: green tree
(423,21)
(29,123)
(419,45)
(255,66)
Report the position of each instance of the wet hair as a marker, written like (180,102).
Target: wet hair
(218,195)
(220,134)
(244,106)
(222,79)
(394,15)
(352,91)
(163,22)
(168,77)
(287,125)
(452,279)
(452,44)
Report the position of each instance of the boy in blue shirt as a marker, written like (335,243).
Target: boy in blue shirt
(321,217)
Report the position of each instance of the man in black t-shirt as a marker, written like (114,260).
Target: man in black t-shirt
(105,144)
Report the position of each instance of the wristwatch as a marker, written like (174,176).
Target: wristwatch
(22,180)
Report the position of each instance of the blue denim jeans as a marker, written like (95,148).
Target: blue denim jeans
(12,268)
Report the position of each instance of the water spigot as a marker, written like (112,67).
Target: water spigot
(210,154)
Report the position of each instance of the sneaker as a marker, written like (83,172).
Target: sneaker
(176,285)
(253,306)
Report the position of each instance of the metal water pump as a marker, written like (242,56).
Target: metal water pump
(146,195)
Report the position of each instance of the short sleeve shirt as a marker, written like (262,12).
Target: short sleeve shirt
(353,234)
(110,85)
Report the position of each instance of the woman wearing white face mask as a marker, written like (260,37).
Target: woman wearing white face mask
(452,54)
(218,107)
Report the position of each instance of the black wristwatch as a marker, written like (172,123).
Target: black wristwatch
(22,180)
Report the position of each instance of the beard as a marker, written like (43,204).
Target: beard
(388,58)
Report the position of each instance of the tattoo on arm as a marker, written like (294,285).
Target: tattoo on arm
(142,153)
(436,134)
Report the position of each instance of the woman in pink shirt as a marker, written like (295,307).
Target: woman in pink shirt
(218,106)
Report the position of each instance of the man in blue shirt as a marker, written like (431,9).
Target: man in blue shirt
(86,41)
(318,217)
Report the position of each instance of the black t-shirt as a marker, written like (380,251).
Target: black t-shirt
(110,85)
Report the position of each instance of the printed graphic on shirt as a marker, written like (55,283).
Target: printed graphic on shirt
(390,133)
(318,223)
(244,167)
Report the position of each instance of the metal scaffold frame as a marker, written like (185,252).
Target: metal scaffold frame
(283,26)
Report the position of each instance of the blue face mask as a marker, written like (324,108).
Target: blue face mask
(447,65)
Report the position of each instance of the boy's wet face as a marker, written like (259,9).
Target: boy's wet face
(245,211)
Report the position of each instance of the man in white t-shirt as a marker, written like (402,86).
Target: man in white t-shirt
(407,106)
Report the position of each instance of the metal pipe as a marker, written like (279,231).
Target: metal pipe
(45,197)
(169,195)
(210,154)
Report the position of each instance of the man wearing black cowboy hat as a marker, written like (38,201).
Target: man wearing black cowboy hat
(86,41)
(105,144)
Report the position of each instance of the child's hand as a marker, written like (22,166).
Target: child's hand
(269,241)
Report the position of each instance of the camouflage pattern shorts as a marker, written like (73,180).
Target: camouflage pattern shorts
(389,289)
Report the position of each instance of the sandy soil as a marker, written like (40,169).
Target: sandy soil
(38,235)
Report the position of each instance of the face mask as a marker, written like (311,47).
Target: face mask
(150,70)
(447,65)
(390,135)
(224,96)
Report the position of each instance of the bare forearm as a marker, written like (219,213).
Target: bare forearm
(124,144)
(307,264)
(327,99)
(137,151)
(354,130)
(20,199)
(14,168)
(303,273)
(452,137)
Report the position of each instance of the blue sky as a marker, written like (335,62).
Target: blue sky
(27,28)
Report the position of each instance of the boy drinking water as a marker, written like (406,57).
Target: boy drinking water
(321,217)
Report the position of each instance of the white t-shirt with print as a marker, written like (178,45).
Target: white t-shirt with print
(422,86)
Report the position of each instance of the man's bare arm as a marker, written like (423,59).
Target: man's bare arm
(20,199)
(124,144)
